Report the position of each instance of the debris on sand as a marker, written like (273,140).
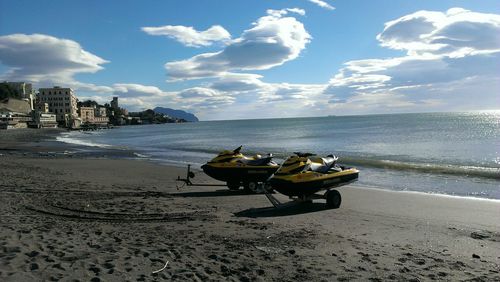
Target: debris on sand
(165,266)
(479,235)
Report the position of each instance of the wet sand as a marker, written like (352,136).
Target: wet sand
(122,220)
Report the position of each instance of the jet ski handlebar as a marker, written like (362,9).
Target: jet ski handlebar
(237,150)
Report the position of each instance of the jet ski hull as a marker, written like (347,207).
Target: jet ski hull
(300,185)
(239,173)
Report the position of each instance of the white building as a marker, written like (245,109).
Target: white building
(62,102)
(42,118)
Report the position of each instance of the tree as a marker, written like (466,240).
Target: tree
(88,103)
(6,91)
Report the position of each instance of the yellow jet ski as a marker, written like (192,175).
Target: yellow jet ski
(237,169)
(304,174)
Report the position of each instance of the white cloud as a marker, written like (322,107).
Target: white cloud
(241,84)
(136,90)
(188,36)
(322,4)
(132,96)
(198,92)
(298,11)
(453,50)
(47,60)
(272,41)
(457,32)
(307,94)
(238,82)
(203,98)
(82,86)
(282,12)
(134,104)
(138,97)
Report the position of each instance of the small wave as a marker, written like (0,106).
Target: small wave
(472,171)
(433,168)
(141,155)
(81,142)
(474,197)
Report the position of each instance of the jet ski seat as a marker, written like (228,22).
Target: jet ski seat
(323,165)
(257,160)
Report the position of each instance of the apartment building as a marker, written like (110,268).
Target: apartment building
(61,101)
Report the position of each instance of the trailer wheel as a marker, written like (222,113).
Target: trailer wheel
(333,199)
(251,187)
(268,187)
(233,185)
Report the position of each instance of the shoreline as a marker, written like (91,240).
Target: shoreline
(432,194)
(43,143)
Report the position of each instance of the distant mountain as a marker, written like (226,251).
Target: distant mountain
(176,113)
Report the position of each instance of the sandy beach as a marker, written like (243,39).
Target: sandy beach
(94,219)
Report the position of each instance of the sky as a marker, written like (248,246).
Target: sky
(232,59)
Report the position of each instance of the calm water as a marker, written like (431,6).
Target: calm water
(448,153)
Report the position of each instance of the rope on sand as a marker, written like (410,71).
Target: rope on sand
(165,266)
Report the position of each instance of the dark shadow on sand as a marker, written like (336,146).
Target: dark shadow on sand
(217,193)
(293,209)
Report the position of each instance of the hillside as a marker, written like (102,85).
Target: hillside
(180,114)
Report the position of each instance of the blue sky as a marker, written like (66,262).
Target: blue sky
(251,59)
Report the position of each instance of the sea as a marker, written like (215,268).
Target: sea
(442,153)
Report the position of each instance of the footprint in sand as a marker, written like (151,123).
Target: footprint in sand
(95,269)
(32,254)
(108,265)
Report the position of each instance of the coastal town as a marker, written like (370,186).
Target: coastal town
(22,107)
